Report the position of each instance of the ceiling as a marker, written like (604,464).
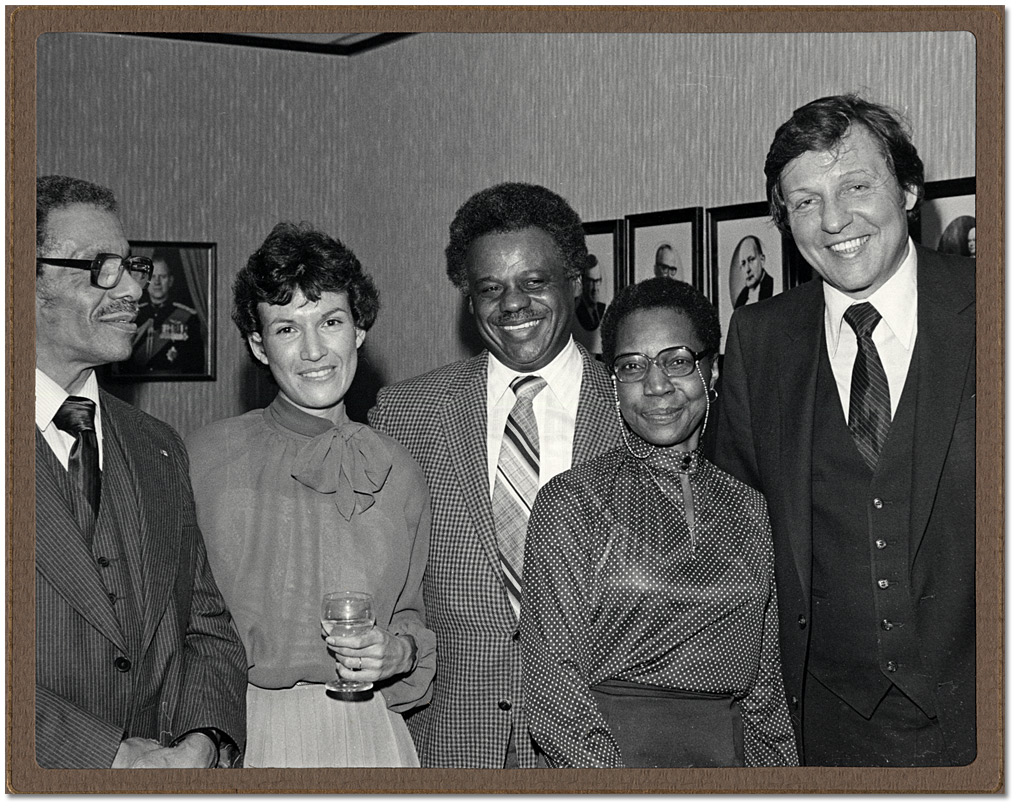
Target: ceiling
(335,44)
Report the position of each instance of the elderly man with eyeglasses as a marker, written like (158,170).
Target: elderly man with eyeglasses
(137,662)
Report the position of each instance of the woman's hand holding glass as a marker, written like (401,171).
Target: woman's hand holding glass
(372,656)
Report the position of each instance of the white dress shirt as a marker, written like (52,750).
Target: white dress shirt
(555,410)
(49,396)
(894,336)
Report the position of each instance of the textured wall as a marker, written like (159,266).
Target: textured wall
(618,124)
(217,143)
(199,143)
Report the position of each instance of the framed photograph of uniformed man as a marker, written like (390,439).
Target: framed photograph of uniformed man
(667,243)
(945,220)
(605,274)
(745,258)
(176,315)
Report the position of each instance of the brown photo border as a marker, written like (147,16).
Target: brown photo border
(986,23)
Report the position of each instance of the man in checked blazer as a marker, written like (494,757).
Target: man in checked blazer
(137,661)
(516,252)
(874,549)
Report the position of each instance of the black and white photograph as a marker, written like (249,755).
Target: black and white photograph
(745,258)
(666,244)
(542,399)
(605,274)
(176,316)
(946,221)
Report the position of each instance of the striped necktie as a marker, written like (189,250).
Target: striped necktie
(516,484)
(870,410)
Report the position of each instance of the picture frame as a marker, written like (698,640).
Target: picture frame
(743,239)
(680,230)
(175,340)
(606,275)
(946,217)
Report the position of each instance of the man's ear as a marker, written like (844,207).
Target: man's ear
(911,196)
(259,350)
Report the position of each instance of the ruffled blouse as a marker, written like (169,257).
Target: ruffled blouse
(293,506)
(621,581)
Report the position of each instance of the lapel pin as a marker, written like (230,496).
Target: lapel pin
(164,453)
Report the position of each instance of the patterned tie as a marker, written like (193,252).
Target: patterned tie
(516,484)
(77,417)
(870,411)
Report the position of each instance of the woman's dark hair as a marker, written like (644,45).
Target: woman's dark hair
(820,126)
(510,207)
(954,237)
(298,257)
(661,293)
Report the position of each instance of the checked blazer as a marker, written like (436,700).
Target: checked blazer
(478,699)
(185,666)
(764,437)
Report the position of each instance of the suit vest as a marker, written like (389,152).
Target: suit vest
(864,627)
(117,557)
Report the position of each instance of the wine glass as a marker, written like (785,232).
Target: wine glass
(346,615)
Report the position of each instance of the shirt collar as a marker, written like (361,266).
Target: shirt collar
(565,366)
(49,396)
(895,300)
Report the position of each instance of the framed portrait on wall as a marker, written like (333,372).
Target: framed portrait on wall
(946,221)
(745,259)
(605,275)
(175,338)
(666,243)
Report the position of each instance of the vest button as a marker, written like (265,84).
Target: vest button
(122,664)
(892,665)
(801,621)
(515,636)
(102,561)
(880,543)
(504,705)
(883,584)
(113,598)
(877,503)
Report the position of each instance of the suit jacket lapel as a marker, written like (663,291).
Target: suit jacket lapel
(943,359)
(794,375)
(595,410)
(465,424)
(146,480)
(61,554)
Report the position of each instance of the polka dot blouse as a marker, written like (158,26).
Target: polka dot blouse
(622,581)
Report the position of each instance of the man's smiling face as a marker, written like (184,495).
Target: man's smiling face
(848,214)
(521,297)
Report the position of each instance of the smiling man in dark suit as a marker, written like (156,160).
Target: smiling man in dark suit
(137,662)
(534,397)
(849,402)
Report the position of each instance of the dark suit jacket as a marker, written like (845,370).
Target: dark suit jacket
(188,644)
(441,418)
(764,437)
(764,291)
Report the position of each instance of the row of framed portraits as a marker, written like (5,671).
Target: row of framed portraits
(748,259)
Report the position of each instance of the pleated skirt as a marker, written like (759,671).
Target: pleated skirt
(302,727)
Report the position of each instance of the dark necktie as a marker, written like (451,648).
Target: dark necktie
(870,410)
(77,417)
(516,484)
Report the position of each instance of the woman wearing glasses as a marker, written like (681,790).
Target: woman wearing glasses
(649,623)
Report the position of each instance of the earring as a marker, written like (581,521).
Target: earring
(712,398)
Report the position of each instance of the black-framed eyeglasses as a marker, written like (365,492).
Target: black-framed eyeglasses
(675,362)
(107,268)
